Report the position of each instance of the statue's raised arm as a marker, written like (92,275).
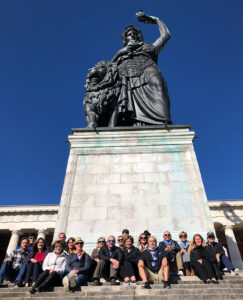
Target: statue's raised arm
(164,31)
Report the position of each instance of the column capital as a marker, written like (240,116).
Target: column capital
(15,231)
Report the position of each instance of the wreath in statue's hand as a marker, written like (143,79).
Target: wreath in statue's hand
(142,17)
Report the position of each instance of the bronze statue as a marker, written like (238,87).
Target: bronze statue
(139,94)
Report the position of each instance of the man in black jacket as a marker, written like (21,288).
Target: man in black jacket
(173,250)
(222,259)
(77,267)
(110,258)
(153,265)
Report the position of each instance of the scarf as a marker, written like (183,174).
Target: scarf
(154,255)
(185,245)
(167,243)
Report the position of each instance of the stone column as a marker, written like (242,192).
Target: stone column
(41,234)
(13,243)
(233,248)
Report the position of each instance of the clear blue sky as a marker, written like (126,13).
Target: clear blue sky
(46,49)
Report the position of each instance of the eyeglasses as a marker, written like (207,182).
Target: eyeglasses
(58,246)
(79,244)
(166,234)
(120,240)
(111,241)
(143,238)
(211,237)
(183,235)
(101,241)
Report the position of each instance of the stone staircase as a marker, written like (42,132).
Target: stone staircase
(185,288)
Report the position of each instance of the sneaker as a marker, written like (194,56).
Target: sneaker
(166,285)
(134,282)
(15,286)
(236,271)
(96,282)
(65,283)
(146,285)
(72,281)
(114,282)
(180,273)
(232,273)
(127,283)
(102,280)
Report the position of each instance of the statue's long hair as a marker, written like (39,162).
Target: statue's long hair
(128,28)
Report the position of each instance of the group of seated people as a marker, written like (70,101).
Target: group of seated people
(34,265)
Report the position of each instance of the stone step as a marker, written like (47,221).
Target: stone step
(207,289)
(180,285)
(141,297)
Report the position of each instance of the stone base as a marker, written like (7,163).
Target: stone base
(135,178)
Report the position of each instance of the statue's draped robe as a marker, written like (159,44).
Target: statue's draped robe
(144,93)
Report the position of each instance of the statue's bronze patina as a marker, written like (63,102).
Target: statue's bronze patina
(129,90)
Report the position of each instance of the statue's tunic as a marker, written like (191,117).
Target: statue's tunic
(144,93)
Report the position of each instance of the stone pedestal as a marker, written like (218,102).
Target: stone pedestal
(135,178)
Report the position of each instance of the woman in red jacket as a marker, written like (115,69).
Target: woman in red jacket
(35,260)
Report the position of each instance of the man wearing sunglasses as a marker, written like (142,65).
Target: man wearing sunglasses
(222,259)
(110,258)
(120,242)
(77,267)
(173,250)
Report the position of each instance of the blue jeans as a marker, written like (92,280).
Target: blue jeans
(224,261)
(7,272)
(80,280)
(21,272)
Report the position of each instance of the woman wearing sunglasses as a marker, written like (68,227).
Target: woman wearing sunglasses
(95,255)
(53,269)
(142,242)
(185,253)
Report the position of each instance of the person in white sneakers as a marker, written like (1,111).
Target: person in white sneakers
(53,267)
(77,267)
(222,259)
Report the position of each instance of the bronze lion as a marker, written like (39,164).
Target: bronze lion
(102,92)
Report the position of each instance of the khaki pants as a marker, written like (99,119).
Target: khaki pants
(158,276)
(176,263)
(105,269)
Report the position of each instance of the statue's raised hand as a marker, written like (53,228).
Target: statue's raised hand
(142,17)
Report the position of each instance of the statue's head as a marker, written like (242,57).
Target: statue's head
(131,33)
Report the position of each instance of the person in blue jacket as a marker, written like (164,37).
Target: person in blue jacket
(77,267)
